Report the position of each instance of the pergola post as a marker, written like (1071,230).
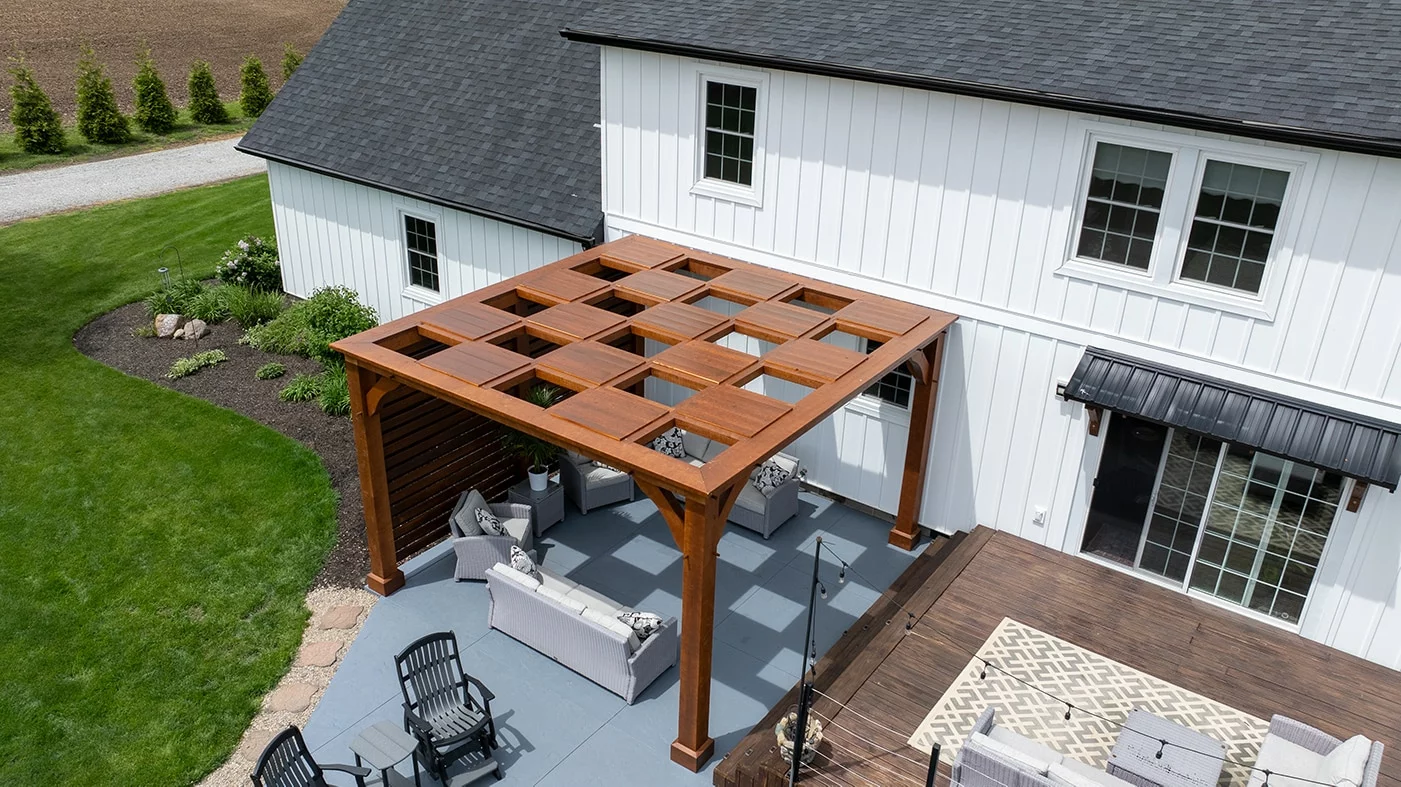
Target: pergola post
(384,577)
(905,534)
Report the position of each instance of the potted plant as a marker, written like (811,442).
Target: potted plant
(784,733)
(532,449)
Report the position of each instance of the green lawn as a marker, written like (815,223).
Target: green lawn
(13,159)
(155,550)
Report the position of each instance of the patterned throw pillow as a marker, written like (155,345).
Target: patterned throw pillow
(669,443)
(768,477)
(524,563)
(644,624)
(602,466)
(489,524)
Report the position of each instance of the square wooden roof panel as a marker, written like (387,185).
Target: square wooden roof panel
(749,285)
(777,322)
(477,363)
(676,322)
(638,252)
(608,411)
(703,361)
(559,285)
(885,317)
(573,321)
(652,287)
(588,363)
(733,412)
(467,320)
(812,363)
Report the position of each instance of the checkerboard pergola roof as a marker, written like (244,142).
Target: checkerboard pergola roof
(581,324)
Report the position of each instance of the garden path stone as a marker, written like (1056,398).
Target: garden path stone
(253,744)
(318,654)
(291,698)
(342,617)
(27,194)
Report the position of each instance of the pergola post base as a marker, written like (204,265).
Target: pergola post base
(692,759)
(385,585)
(903,539)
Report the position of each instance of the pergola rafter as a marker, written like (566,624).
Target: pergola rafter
(581,324)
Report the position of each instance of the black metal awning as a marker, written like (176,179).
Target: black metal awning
(1363,448)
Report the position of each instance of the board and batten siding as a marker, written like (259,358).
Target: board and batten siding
(967,205)
(333,232)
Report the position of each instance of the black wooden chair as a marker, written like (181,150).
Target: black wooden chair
(286,762)
(439,708)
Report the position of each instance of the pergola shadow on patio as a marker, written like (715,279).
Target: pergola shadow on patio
(581,324)
(558,728)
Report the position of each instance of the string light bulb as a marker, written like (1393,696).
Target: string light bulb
(909,620)
(984,674)
(822,590)
(1068,709)
(841,575)
(1162,744)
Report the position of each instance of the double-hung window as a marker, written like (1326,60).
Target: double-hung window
(421,246)
(729,134)
(1185,216)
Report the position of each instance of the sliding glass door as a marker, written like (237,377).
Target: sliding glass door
(1219,519)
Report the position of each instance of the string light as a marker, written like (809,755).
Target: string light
(1162,744)
(1068,709)
(821,589)
(984,674)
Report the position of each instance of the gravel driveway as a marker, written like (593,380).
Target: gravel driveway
(27,194)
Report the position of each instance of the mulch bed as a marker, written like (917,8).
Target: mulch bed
(108,339)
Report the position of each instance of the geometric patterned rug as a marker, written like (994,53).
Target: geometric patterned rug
(1087,680)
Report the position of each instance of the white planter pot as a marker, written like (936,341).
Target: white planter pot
(538,481)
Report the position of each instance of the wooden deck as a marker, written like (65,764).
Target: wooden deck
(964,586)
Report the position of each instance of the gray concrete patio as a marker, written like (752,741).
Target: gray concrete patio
(558,728)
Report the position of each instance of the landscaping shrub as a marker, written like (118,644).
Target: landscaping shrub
(37,126)
(256,93)
(270,371)
(99,120)
(211,304)
(154,112)
(309,327)
(184,367)
(250,309)
(205,106)
(174,298)
(284,335)
(335,392)
(251,263)
(291,60)
(303,388)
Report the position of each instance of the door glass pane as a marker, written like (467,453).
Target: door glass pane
(1268,522)
(1177,514)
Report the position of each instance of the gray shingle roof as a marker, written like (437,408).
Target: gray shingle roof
(1329,69)
(475,104)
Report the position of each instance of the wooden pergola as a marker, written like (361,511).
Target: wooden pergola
(580,324)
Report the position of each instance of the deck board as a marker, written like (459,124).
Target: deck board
(962,592)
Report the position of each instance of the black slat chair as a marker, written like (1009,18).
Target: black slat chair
(439,708)
(286,762)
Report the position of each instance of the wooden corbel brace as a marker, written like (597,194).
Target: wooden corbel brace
(1354,500)
(377,393)
(1095,413)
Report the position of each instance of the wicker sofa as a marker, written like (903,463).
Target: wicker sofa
(571,624)
(1294,748)
(754,510)
(590,485)
(994,756)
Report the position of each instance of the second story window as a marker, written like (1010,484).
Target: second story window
(421,243)
(1233,226)
(895,386)
(729,132)
(1123,203)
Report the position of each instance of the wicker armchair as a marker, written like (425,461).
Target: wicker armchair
(591,486)
(1275,758)
(476,551)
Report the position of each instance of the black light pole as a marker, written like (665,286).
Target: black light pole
(809,652)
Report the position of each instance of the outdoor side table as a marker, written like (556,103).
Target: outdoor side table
(383,746)
(1190,760)
(547,505)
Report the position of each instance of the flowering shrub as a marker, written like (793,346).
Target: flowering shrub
(252,263)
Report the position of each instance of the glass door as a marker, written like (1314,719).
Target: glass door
(1179,502)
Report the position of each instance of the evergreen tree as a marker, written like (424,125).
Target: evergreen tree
(205,106)
(154,112)
(291,59)
(256,93)
(99,119)
(37,126)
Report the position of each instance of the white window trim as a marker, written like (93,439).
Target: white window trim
(752,194)
(412,291)
(1189,156)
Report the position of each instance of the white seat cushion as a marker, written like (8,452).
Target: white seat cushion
(518,577)
(595,600)
(751,499)
(568,603)
(516,527)
(598,475)
(1280,756)
(614,625)
(1347,763)
(556,582)
(694,444)
(1070,772)
(1015,748)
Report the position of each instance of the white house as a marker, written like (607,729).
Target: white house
(1187,214)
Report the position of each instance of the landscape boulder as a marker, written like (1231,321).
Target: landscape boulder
(196,329)
(168,324)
